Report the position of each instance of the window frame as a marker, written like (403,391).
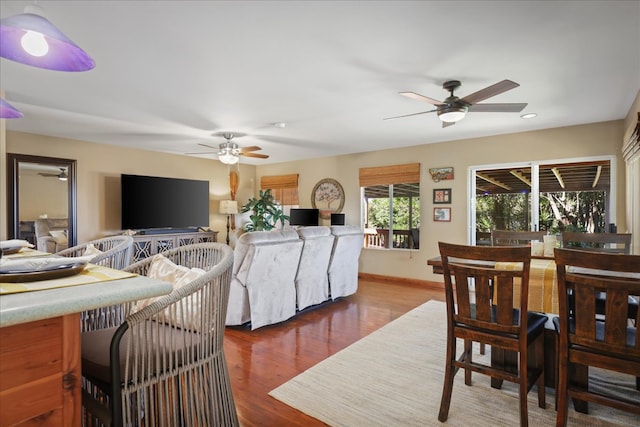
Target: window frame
(535,188)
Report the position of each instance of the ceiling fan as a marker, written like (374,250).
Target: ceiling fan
(229,152)
(62,176)
(454,109)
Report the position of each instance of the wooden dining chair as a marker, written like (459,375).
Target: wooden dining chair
(600,242)
(588,338)
(473,314)
(515,238)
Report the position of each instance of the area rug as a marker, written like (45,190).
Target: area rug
(394,376)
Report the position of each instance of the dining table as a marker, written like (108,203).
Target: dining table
(40,330)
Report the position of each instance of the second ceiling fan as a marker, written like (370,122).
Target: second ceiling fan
(454,109)
(229,152)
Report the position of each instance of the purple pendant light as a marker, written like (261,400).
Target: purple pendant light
(7,111)
(31,39)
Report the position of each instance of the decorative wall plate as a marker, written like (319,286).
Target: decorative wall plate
(328,197)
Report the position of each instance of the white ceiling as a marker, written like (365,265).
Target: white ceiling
(169,74)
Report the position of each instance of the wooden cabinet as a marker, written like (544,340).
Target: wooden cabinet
(146,245)
(40,373)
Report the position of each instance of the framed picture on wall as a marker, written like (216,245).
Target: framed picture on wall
(441,195)
(442,214)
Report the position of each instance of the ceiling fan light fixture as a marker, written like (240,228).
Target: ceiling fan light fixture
(228,158)
(31,39)
(452,114)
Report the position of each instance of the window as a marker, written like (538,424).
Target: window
(391,206)
(284,189)
(556,196)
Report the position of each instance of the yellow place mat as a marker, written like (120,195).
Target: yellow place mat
(91,274)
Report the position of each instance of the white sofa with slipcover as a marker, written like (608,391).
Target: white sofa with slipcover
(343,266)
(312,280)
(263,288)
(278,273)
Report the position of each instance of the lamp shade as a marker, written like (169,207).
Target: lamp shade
(228,207)
(32,40)
(7,111)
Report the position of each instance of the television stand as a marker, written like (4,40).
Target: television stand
(149,244)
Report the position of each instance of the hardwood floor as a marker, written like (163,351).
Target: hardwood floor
(261,360)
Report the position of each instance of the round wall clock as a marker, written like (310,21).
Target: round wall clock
(328,197)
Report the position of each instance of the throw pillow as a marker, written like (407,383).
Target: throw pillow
(59,236)
(164,269)
(91,250)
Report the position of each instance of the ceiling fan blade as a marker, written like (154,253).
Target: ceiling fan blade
(419,97)
(498,108)
(48,175)
(409,115)
(208,146)
(256,155)
(490,91)
(252,148)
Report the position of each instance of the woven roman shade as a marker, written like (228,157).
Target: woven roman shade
(631,147)
(284,188)
(387,175)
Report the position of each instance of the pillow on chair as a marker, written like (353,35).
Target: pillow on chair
(59,236)
(164,269)
(91,250)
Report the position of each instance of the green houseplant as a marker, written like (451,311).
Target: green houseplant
(265,212)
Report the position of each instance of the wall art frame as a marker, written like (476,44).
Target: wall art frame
(441,174)
(441,196)
(328,197)
(442,214)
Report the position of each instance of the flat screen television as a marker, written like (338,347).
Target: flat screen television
(150,202)
(304,217)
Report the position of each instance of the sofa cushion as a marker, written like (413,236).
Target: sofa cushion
(313,231)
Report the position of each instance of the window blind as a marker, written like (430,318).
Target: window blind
(284,188)
(387,175)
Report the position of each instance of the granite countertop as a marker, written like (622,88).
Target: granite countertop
(30,306)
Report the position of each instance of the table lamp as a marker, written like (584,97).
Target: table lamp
(228,207)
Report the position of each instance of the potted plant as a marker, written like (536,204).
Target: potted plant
(265,212)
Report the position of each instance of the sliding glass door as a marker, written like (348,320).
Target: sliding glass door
(556,196)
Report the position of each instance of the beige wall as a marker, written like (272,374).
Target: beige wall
(99,168)
(51,197)
(98,177)
(570,142)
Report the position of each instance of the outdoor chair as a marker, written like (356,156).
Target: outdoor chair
(473,314)
(165,364)
(588,338)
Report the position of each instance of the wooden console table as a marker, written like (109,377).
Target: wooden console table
(146,245)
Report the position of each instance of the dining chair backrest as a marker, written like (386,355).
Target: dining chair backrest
(515,238)
(480,285)
(601,242)
(606,340)
(165,364)
(113,252)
